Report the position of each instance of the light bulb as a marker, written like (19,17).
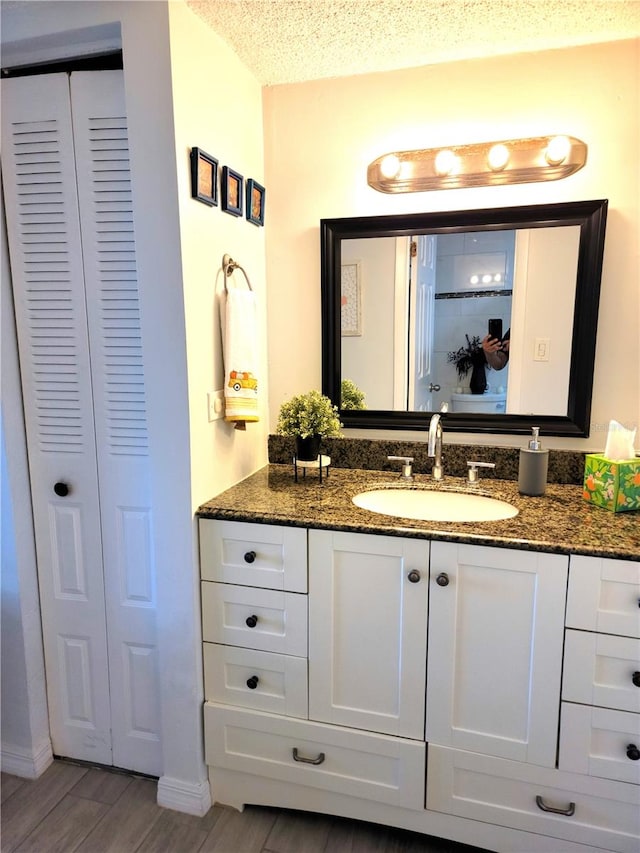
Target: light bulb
(445,162)
(557,150)
(486,278)
(497,277)
(498,157)
(390,166)
(474,279)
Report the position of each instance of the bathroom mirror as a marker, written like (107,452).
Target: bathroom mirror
(399,293)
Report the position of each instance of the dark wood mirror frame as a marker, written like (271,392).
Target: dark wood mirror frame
(589,215)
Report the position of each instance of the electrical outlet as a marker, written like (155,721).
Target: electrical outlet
(215,405)
(541,349)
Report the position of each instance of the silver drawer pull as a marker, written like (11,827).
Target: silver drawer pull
(297,757)
(545,808)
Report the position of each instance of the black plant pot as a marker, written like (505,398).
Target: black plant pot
(308,449)
(478,381)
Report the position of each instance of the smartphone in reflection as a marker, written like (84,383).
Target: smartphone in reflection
(495,329)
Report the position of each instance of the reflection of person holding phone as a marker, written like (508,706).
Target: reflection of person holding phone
(496,350)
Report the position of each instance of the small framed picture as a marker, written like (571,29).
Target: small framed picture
(232,185)
(204,177)
(255,202)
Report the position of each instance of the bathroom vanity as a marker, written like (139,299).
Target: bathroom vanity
(473,681)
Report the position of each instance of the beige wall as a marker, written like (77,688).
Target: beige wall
(217,105)
(320,136)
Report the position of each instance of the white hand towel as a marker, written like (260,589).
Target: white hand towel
(241,357)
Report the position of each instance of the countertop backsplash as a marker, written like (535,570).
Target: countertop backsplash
(565,466)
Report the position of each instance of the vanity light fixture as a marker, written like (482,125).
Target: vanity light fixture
(513,161)
(485,278)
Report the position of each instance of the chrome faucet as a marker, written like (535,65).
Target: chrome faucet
(434,446)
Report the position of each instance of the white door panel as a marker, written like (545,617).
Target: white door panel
(83,387)
(368,631)
(44,239)
(113,313)
(496,626)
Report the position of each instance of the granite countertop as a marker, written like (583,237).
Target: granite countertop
(559,522)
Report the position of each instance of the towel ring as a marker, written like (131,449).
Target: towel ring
(228,268)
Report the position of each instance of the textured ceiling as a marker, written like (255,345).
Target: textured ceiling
(288,41)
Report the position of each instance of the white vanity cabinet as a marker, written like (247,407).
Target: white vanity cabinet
(423,685)
(254,615)
(368,595)
(600,730)
(496,624)
(368,631)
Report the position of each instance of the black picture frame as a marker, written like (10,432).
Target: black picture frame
(232,191)
(204,177)
(590,215)
(255,202)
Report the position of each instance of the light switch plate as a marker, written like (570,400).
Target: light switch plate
(215,404)
(541,349)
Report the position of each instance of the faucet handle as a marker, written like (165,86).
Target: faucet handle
(473,473)
(407,462)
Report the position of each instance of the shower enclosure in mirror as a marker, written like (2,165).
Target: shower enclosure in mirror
(428,285)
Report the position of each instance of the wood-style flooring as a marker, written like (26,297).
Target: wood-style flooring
(78,809)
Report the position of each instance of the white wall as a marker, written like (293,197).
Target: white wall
(179,246)
(26,747)
(541,387)
(320,137)
(368,358)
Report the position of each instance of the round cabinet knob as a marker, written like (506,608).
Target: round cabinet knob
(633,752)
(635,678)
(61,490)
(442,579)
(251,621)
(414,576)
(252,682)
(250,557)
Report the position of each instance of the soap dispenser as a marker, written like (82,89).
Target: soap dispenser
(534,461)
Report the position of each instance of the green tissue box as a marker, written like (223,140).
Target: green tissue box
(613,485)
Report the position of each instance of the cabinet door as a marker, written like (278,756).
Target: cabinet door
(367,631)
(265,619)
(496,626)
(600,742)
(603,670)
(604,595)
(264,555)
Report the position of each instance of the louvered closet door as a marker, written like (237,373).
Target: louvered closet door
(108,246)
(101,671)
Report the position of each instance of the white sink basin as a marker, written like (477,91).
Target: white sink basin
(434,505)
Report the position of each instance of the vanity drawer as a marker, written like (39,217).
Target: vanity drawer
(604,595)
(254,618)
(252,679)
(499,791)
(344,761)
(264,555)
(601,669)
(600,742)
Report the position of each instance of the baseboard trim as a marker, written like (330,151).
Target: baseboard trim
(184,796)
(26,763)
